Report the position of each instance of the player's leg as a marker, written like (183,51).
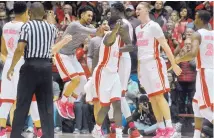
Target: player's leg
(102,90)
(155,84)
(161,100)
(198,119)
(7,98)
(79,88)
(124,73)
(116,104)
(72,79)
(97,108)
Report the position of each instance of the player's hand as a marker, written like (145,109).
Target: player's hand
(118,25)
(176,69)
(10,73)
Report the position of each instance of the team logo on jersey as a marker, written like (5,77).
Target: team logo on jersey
(209,51)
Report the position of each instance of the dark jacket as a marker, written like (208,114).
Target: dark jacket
(159,19)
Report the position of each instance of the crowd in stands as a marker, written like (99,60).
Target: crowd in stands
(177,21)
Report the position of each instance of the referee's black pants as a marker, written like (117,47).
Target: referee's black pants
(35,78)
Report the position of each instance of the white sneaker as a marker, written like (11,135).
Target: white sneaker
(29,130)
(97,133)
(119,133)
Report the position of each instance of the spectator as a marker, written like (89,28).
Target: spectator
(105,6)
(180,26)
(57,117)
(187,78)
(107,14)
(3,18)
(11,15)
(2,6)
(144,117)
(130,15)
(174,17)
(168,34)
(168,9)
(159,14)
(68,17)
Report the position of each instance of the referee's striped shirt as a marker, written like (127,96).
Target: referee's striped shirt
(39,36)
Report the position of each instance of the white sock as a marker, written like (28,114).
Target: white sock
(161,125)
(97,127)
(119,131)
(168,123)
(197,133)
(64,99)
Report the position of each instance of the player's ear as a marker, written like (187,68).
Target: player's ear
(82,15)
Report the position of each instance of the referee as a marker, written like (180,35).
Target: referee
(36,38)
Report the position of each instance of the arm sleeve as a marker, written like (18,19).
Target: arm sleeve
(24,34)
(83,29)
(157,31)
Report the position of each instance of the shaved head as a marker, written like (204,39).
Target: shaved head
(37,10)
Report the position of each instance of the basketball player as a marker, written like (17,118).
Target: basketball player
(106,73)
(124,71)
(67,64)
(10,37)
(202,50)
(93,58)
(152,69)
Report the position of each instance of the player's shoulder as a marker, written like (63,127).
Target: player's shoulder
(6,25)
(13,25)
(74,23)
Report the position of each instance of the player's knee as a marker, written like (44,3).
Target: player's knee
(159,97)
(76,80)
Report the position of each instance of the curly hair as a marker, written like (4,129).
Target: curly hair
(119,6)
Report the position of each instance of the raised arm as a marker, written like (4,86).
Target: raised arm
(110,38)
